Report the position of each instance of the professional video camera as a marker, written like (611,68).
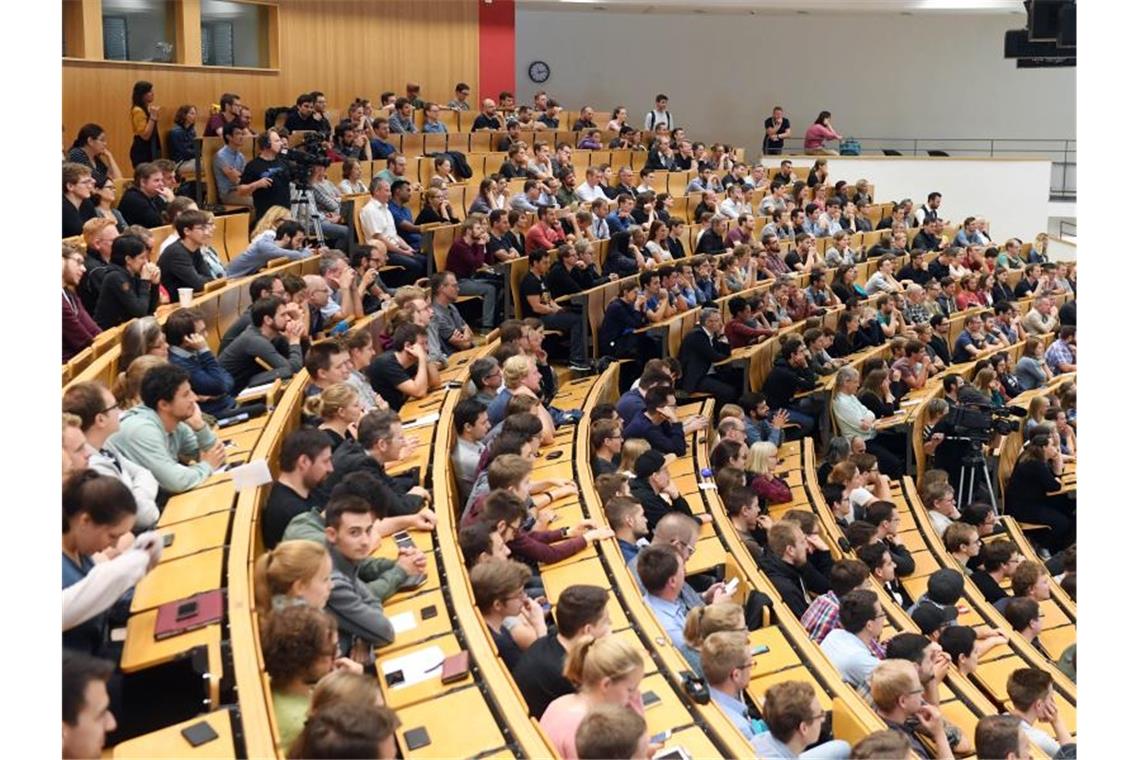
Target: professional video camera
(979,422)
(302,158)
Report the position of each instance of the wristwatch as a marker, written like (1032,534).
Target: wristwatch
(565,531)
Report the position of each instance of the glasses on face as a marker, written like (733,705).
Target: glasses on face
(111,407)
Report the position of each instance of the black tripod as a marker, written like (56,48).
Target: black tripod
(303,207)
(972,462)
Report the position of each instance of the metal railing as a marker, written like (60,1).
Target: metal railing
(1068,228)
(1062,153)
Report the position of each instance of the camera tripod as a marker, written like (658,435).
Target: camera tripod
(971,463)
(303,207)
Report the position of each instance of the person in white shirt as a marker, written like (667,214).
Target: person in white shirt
(851,646)
(883,280)
(734,205)
(378,224)
(660,114)
(98,412)
(591,189)
(1031,700)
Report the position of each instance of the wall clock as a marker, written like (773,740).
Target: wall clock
(539,72)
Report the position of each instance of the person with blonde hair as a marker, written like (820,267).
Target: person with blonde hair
(605,671)
(767,485)
(631,449)
(128,382)
(703,621)
(75,453)
(345,687)
(339,409)
(897,696)
(522,378)
(293,572)
(727,666)
(270,221)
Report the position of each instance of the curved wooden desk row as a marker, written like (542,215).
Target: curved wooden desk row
(221,306)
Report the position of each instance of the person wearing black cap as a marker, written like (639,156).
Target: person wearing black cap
(943,590)
(655,490)
(932,620)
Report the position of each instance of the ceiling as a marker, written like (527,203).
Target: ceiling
(785,7)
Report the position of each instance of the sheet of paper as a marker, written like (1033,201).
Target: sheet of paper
(429,419)
(417,666)
(251,475)
(405,621)
(254,390)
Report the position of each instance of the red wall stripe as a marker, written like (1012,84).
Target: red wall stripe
(496,49)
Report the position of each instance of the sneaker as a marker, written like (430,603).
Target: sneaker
(582,366)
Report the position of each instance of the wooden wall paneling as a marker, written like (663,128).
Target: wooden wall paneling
(346,48)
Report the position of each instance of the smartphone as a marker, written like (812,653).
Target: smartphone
(760,649)
(394,678)
(730,587)
(427,613)
(417,738)
(661,737)
(200,733)
(650,699)
(554,454)
(403,540)
(673,753)
(167,539)
(187,610)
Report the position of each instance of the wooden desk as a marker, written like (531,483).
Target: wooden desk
(590,572)
(670,712)
(179,579)
(459,724)
(760,683)
(562,469)
(710,553)
(193,536)
(630,637)
(402,696)
(1056,640)
(169,742)
(416,606)
(694,740)
(431,570)
(780,654)
(204,500)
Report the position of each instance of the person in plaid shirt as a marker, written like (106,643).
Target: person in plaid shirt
(822,614)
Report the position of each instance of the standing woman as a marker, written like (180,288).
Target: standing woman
(182,137)
(146,145)
(90,149)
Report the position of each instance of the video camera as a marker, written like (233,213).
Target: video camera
(979,422)
(302,158)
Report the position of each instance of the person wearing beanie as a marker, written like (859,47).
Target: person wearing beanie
(655,490)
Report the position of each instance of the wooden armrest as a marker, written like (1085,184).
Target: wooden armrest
(277,262)
(653,326)
(213,285)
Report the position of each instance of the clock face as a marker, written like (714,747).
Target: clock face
(539,72)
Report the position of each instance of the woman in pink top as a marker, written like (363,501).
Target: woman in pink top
(606,671)
(817,133)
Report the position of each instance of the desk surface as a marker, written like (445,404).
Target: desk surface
(193,536)
(204,500)
(760,683)
(403,696)
(169,742)
(477,731)
(417,606)
(670,712)
(142,650)
(179,579)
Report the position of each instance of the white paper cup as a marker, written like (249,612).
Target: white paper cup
(185,297)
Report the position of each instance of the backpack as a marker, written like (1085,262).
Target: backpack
(850,147)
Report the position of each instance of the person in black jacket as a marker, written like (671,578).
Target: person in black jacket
(130,284)
(1027,498)
(182,263)
(655,491)
(999,560)
(620,261)
(790,375)
(379,441)
(77,204)
(705,345)
(885,517)
(784,561)
(144,202)
(927,238)
(569,274)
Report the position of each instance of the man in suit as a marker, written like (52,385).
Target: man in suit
(705,345)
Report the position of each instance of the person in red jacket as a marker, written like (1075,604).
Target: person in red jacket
(79,329)
(545,234)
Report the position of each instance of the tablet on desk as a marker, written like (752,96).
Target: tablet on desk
(188,614)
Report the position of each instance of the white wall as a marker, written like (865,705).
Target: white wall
(881,75)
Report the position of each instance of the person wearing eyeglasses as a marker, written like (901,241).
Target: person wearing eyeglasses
(78,185)
(963,543)
(897,696)
(932,665)
(795,718)
(726,662)
(98,412)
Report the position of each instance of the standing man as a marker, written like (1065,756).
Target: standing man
(266,177)
(660,114)
(776,128)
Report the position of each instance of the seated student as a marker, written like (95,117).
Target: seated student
(1031,702)
(269,349)
(876,556)
(471,426)
(580,611)
(932,665)
(515,620)
(98,514)
(298,643)
(287,241)
(822,615)
(884,515)
(605,441)
(304,461)
(612,731)
(1001,736)
(1030,580)
(521,377)
(130,284)
(962,542)
(962,645)
(480,543)
(742,506)
(727,666)
(183,264)
(768,486)
(940,506)
(882,745)
(358,611)
(999,561)
(784,563)
(353,729)
(655,490)
(403,371)
(168,427)
(659,425)
(702,622)
(897,697)
(87,716)
(337,408)
(294,572)
(604,671)
(662,574)
(99,414)
(853,647)
(1024,616)
(626,518)
(379,441)
(794,717)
